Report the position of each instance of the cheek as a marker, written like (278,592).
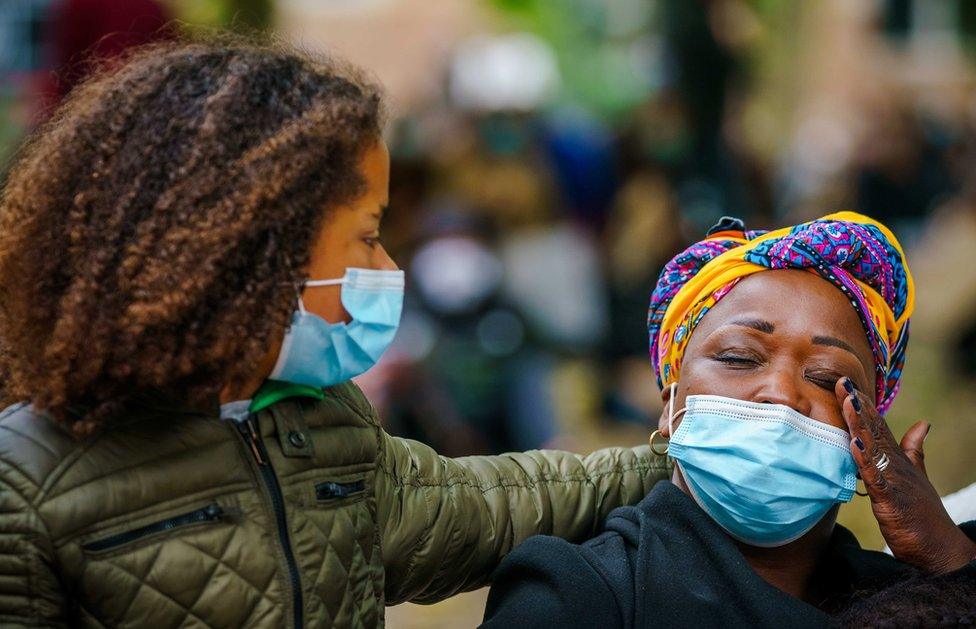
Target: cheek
(326,302)
(339,255)
(829,412)
(359,255)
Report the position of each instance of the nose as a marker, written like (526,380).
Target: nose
(384,262)
(783,386)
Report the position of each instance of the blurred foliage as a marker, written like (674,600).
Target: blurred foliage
(607,50)
(613,54)
(10,130)
(238,15)
(967,25)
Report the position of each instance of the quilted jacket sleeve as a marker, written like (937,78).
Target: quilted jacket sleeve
(30,592)
(447,523)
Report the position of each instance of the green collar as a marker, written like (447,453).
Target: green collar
(275,390)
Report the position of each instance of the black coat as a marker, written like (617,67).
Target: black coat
(665,563)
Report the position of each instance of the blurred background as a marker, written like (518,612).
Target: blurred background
(550,155)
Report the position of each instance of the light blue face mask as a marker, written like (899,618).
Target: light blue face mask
(764,472)
(320,354)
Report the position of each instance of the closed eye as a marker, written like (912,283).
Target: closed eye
(824,380)
(736,360)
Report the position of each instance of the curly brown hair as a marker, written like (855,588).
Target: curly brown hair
(153,232)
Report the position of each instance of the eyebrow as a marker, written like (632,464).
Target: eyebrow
(755,324)
(833,342)
(378,215)
(769,328)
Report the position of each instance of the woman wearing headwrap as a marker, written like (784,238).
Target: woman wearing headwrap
(777,354)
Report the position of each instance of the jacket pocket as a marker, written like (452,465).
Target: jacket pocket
(331,490)
(211,513)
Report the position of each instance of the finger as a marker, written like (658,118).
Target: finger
(855,415)
(866,427)
(862,441)
(871,420)
(844,390)
(840,392)
(911,444)
(874,480)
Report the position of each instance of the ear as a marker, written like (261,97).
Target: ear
(662,422)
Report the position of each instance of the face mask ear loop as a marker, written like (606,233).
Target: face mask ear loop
(671,389)
(298,296)
(676,415)
(671,414)
(313,284)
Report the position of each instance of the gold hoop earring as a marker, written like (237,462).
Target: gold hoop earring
(651,443)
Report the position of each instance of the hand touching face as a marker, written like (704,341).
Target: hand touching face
(910,513)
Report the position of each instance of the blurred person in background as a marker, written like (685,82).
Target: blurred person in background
(777,354)
(902,170)
(191,271)
(509,284)
(706,69)
(471,348)
(639,238)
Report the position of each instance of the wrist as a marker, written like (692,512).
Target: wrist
(958,553)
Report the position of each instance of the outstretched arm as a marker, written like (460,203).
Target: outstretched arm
(447,523)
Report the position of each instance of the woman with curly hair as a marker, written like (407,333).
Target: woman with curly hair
(190,274)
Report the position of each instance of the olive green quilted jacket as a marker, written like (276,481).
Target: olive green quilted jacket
(306,514)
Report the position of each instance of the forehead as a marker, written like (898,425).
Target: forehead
(797,303)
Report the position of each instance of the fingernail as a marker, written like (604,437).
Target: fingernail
(849,386)
(927,431)
(856,403)
(859,443)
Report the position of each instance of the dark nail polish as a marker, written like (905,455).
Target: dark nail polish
(849,386)
(856,403)
(859,443)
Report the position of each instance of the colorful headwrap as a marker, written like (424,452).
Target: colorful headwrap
(855,253)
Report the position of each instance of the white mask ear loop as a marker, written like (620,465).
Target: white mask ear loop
(671,414)
(314,283)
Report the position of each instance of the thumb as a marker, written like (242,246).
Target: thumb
(911,444)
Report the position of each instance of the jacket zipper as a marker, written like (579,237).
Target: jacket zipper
(331,490)
(210,513)
(252,437)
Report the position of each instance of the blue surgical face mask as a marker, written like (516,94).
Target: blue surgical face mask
(320,354)
(764,472)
